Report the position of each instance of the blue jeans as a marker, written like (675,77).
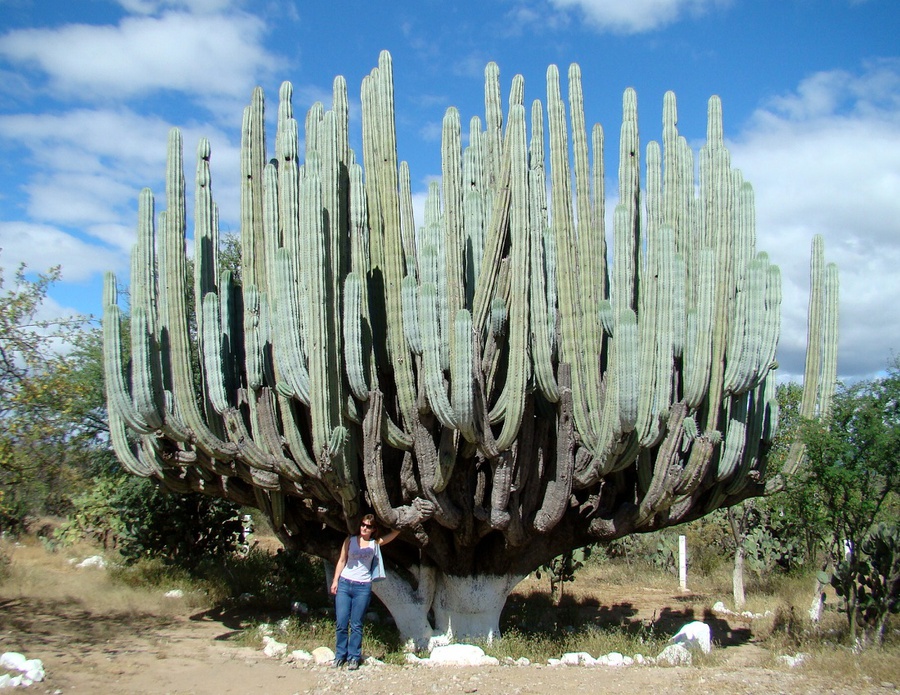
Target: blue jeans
(350,604)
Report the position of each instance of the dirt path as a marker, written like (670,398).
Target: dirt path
(129,652)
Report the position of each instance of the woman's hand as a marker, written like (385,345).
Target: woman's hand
(334,585)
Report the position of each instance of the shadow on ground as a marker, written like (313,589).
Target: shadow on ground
(535,614)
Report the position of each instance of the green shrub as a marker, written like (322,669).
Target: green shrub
(182,530)
(139,519)
(273,580)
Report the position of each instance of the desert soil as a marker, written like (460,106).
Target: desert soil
(88,646)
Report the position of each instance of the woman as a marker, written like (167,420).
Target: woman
(352,589)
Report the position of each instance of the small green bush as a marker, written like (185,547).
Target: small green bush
(142,521)
(272,580)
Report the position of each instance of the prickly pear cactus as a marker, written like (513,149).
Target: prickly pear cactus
(497,382)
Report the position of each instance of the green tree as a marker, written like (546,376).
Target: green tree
(852,483)
(51,401)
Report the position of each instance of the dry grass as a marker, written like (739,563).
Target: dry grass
(36,573)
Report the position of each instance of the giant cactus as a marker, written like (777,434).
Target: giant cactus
(495,383)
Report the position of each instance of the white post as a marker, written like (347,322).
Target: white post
(682,562)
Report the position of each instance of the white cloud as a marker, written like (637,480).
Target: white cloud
(89,167)
(635,16)
(193,6)
(198,54)
(826,159)
(43,246)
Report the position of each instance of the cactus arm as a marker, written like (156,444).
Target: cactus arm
(289,353)
(567,269)
(145,373)
(813,367)
(717,188)
(378,107)
(324,389)
(462,378)
(446,513)
(117,395)
(253,162)
(353,357)
(211,346)
(735,436)
(586,262)
(411,315)
(518,368)
(559,482)
(756,417)
(698,345)
(453,268)
(294,439)
(598,215)
(769,338)
(541,330)
(659,492)
(408,516)
(434,378)
(500,161)
(829,340)
(122,447)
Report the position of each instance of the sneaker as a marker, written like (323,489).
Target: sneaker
(338,663)
(352,665)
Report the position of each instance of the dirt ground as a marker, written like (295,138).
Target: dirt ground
(92,641)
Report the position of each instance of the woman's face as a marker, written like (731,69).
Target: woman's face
(366,529)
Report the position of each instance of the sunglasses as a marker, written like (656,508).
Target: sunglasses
(368,525)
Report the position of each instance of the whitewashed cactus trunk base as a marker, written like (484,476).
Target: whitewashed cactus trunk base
(445,608)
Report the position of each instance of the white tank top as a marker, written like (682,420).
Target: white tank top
(359,561)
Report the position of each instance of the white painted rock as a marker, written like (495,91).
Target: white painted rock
(92,561)
(13,661)
(299,656)
(792,661)
(30,670)
(174,593)
(7,681)
(616,659)
(638,659)
(523,661)
(460,655)
(577,659)
(322,655)
(554,662)
(674,655)
(34,671)
(413,659)
(273,648)
(719,607)
(695,634)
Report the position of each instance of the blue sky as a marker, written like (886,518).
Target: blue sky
(810,89)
